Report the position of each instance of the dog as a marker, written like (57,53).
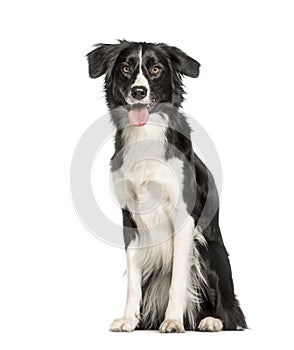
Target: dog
(179,275)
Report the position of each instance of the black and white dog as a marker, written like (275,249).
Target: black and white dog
(179,275)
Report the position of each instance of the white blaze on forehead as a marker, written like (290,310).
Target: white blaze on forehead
(140,60)
(141,80)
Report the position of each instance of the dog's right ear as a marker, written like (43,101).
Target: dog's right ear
(102,58)
(97,60)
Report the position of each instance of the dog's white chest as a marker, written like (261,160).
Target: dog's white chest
(148,184)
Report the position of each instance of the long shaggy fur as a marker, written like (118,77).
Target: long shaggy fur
(210,290)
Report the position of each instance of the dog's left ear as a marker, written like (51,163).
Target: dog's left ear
(183,63)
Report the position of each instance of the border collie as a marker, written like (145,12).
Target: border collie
(179,275)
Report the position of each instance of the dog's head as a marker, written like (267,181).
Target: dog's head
(141,75)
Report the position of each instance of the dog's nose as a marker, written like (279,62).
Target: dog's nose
(138,92)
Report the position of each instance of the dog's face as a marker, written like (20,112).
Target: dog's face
(141,75)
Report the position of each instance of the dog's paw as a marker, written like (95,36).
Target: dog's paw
(210,324)
(171,326)
(123,325)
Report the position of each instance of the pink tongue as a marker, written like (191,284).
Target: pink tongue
(138,116)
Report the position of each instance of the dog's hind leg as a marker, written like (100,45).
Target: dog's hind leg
(220,302)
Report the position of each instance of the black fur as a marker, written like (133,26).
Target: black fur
(218,298)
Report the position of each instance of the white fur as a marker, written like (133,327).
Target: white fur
(182,254)
(143,154)
(210,324)
(132,309)
(123,325)
(151,188)
(140,80)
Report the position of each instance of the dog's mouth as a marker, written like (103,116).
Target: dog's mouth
(139,113)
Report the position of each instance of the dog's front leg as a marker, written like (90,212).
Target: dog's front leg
(182,245)
(132,309)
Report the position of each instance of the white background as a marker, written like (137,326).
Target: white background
(60,286)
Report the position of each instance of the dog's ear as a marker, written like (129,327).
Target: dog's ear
(103,58)
(183,63)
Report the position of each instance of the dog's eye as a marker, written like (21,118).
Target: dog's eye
(125,69)
(155,70)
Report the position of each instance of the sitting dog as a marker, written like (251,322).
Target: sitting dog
(179,275)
